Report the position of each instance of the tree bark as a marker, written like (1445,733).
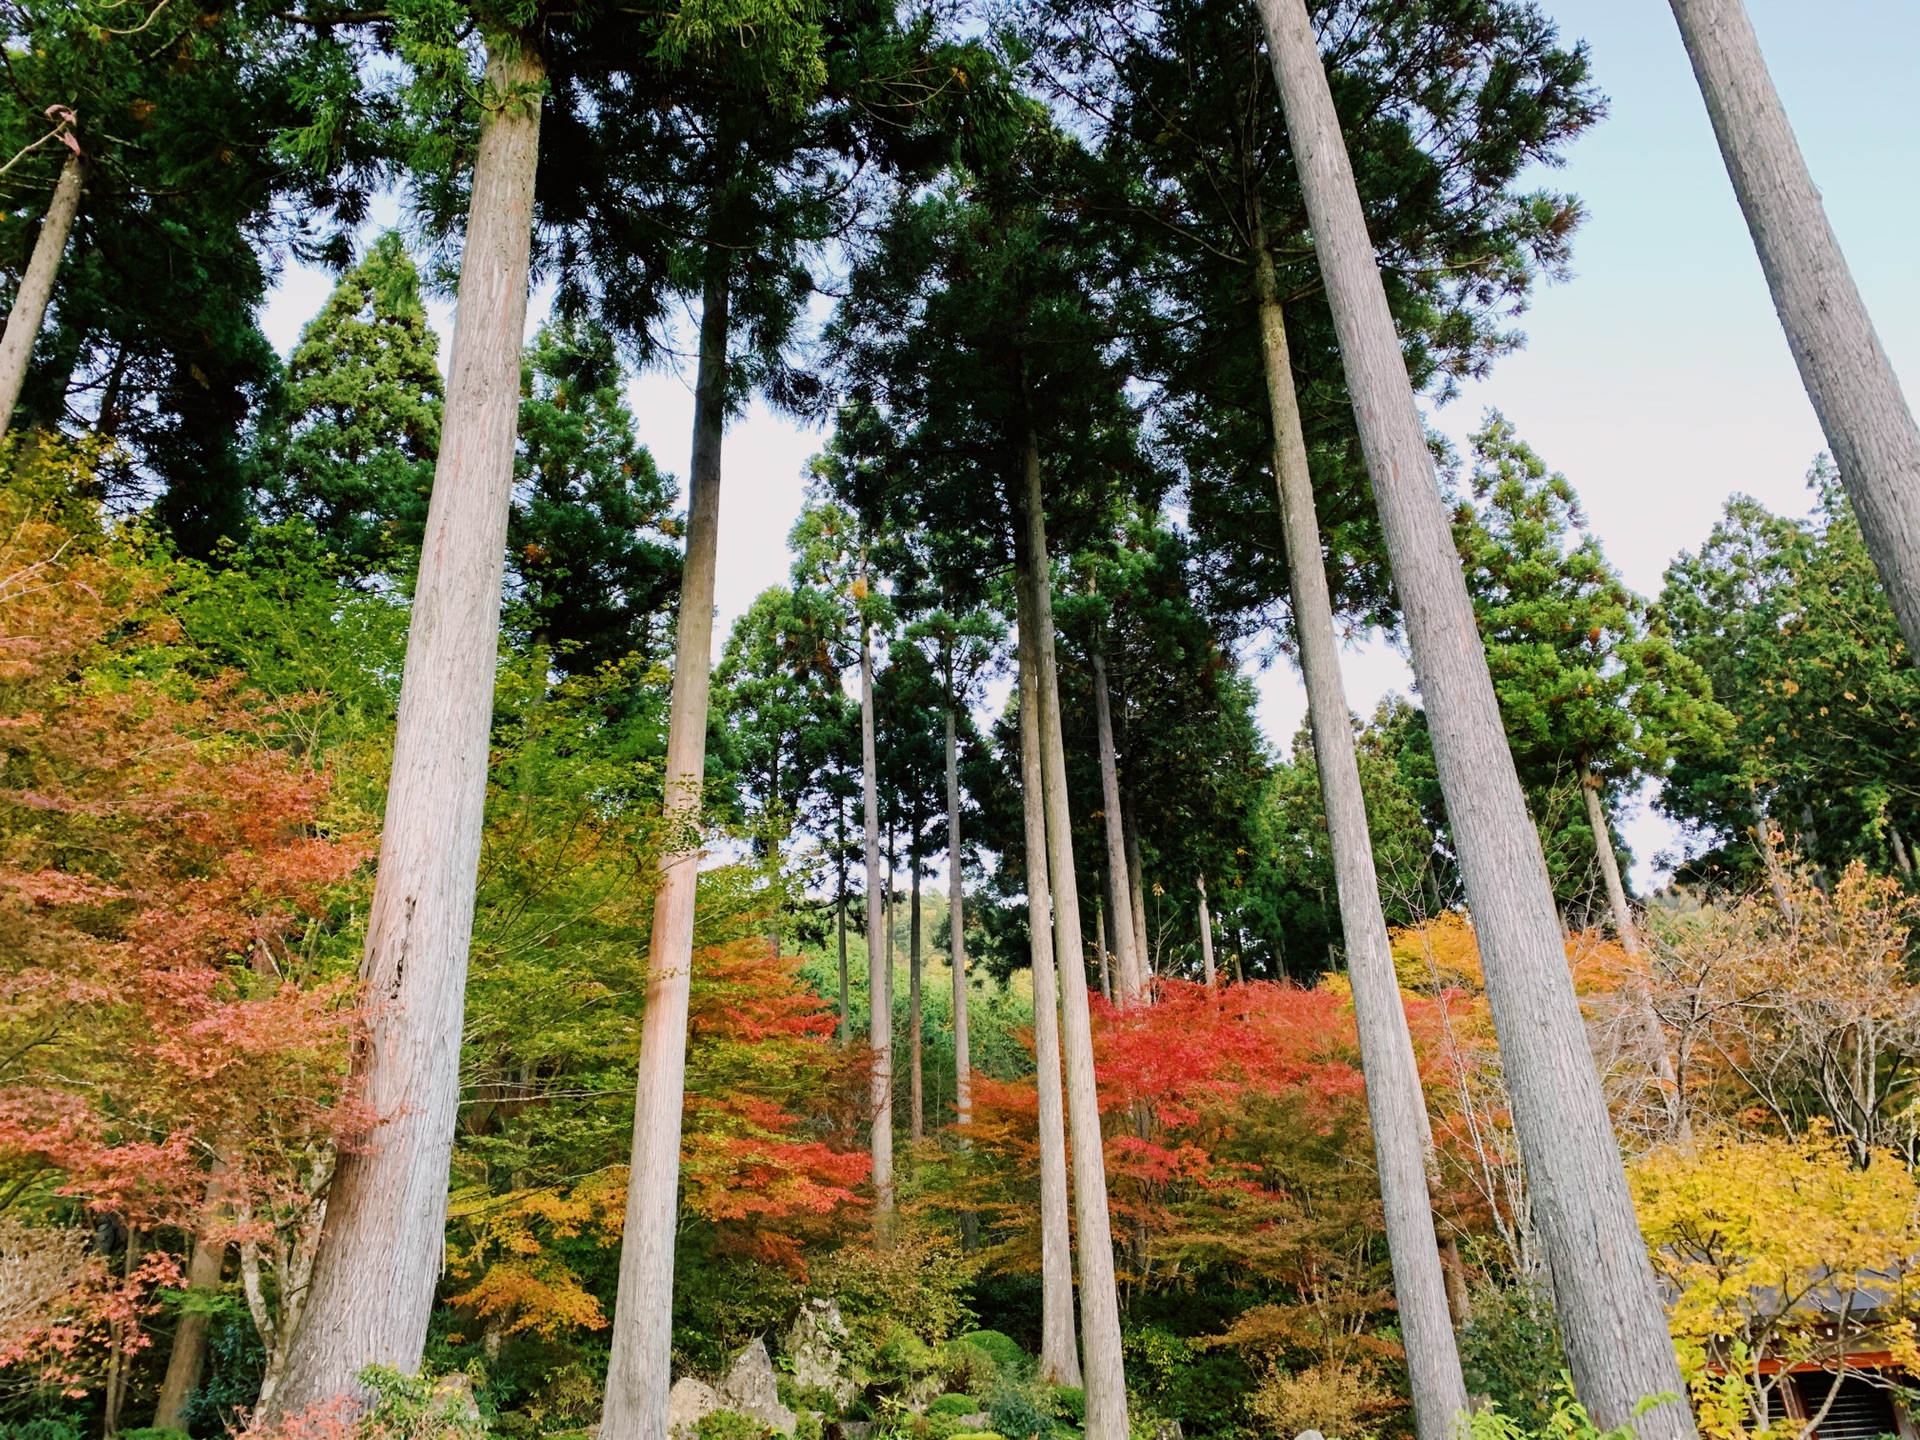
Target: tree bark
(1106,1381)
(879,950)
(1206,932)
(846,998)
(916,1083)
(1136,884)
(957,942)
(1863,412)
(1395,1104)
(1126,953)
(188,1358)
(385,1241)
(1609,862)
(639,1367)
(1666,1073)
(1100,943)
(29,310)
(1059,1356)
(1610,1314)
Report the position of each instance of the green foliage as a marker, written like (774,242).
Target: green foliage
(420,1407)
(1002,1349)
(1510,1352)
(1070,1403)
(1592,691)
(356,450)
(730,1425)
(967,1368)
(49,1427)
(807,1425)
(1564,1418)
(1017,1410)
(592,540)
(1789,620)
(917,1284)
(953,1403)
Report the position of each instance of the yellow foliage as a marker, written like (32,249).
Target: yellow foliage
(1339,1400)
(1778,1250)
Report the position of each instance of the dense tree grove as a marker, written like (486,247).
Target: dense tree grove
(448,987)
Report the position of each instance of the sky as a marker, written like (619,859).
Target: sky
(1656,378)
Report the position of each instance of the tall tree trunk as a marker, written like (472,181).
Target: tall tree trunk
(845,1033)
(29,310)
(188,1358)
(1666,1072)
(1395,1104)
(1610,1314)
(385,1240)
(957,936)
(1609,862)
(1126,953)
(1100,941)
(1865,416)
(639,1368)
(879,954)
(1059,1356)
(1106,1381)
(1206,932)
(914,1034)
(120,1357)
(1136,883)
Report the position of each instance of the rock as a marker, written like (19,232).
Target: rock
(970,1424)
(855,1429)
(1170,1430)
(750,1389)
(1309,1435)
(453,1399)
(814,1346)
(688,1403)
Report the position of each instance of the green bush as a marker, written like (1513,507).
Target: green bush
(903,1354)
(1017,1412)
(965,1366)
(1510,1352)
(1070,1403)
(152,1432)
(441,1406)
(807,1426)
(1005,1351)
(730,1425)
(47,1427)
(954,1403)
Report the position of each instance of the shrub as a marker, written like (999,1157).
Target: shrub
(1005,1351)
(730,1425)
(981,1435)
(807,1426)
(1016,1412)
(1070,1403)
(966,1367)
(47,1427)
(954,1404)
(904,1354)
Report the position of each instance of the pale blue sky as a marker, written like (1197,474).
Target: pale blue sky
(1656,379)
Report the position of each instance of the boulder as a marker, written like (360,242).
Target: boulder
(1309,1435)
(815,1345)
(750,1389)
(688,1403)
